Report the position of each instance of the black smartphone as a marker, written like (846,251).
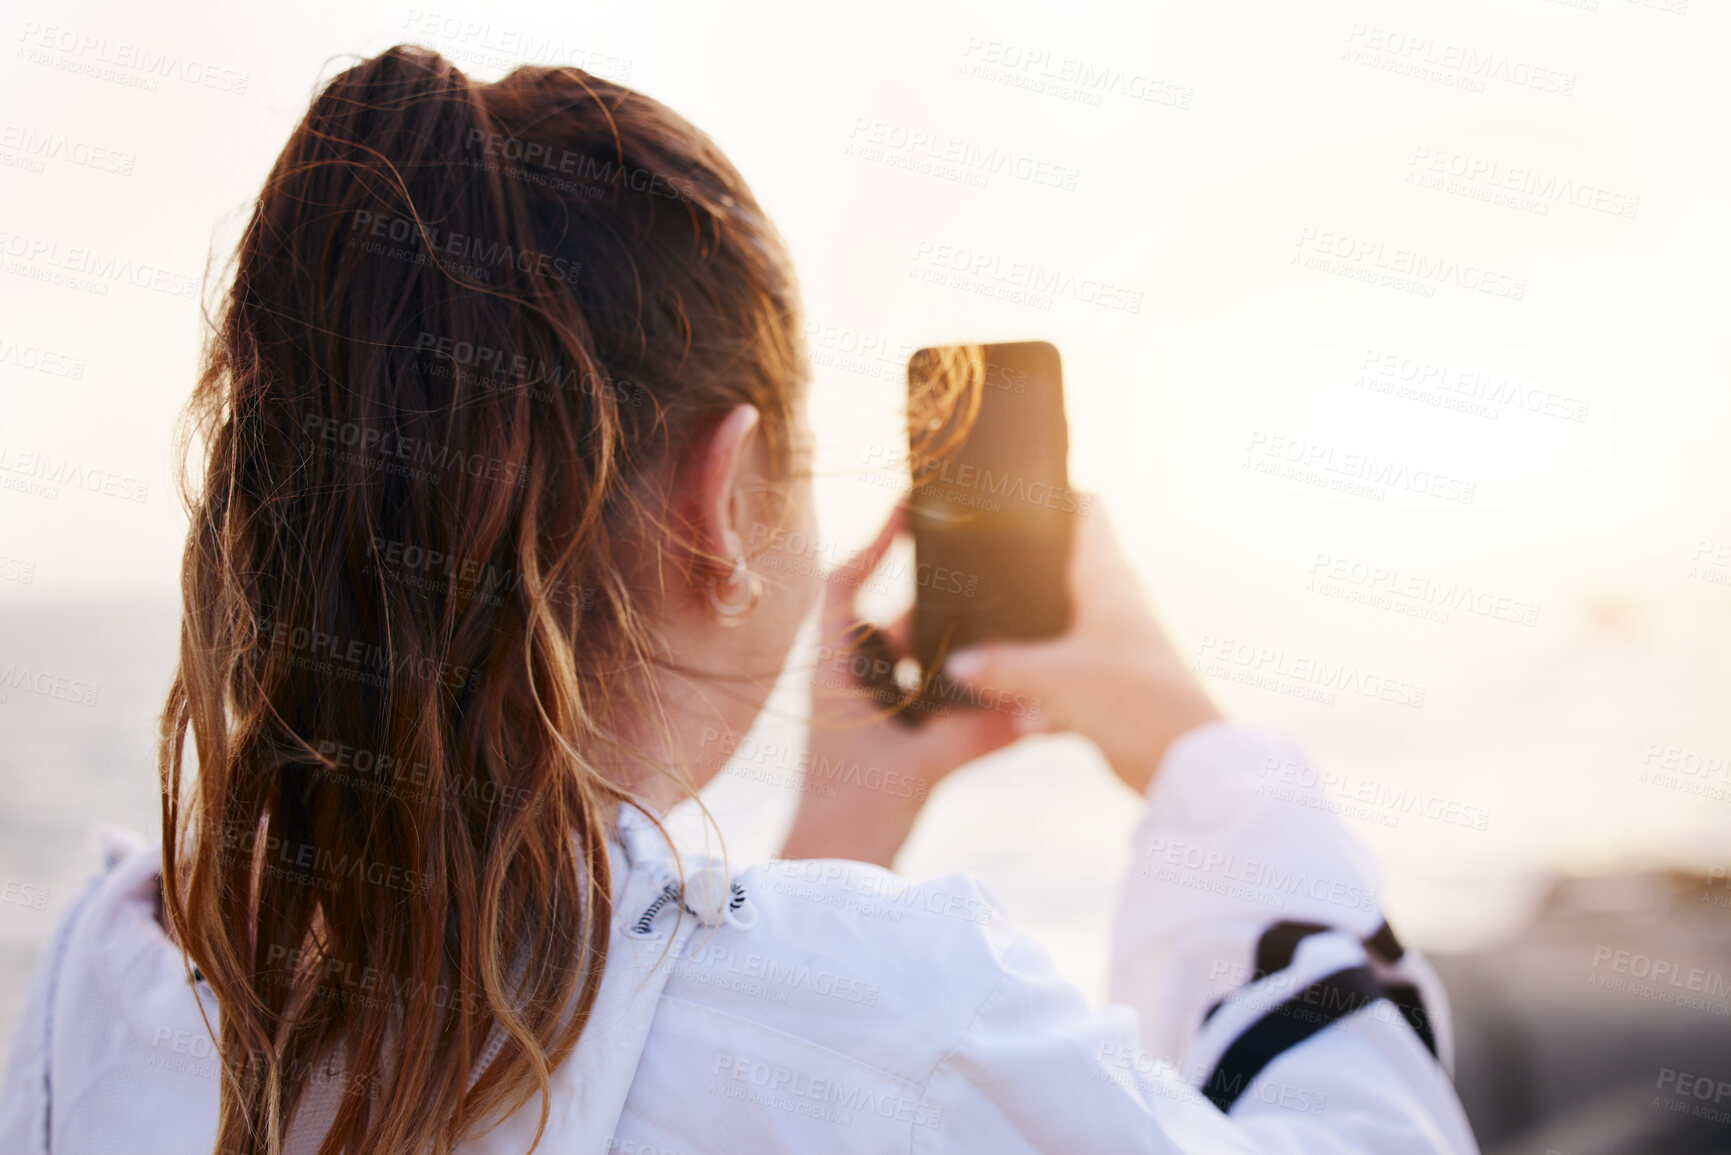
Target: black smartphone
(991,509)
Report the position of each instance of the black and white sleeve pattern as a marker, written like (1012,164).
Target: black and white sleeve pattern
(1251,941)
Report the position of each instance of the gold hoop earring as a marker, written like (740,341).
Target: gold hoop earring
(732,613)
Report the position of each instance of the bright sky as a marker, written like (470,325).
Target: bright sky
(1471,255)
(1175,229)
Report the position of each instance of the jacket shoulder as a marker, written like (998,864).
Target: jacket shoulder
(852,959)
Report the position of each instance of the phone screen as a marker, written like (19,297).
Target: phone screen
(991,510)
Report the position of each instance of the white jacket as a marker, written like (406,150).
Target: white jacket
(830,1006)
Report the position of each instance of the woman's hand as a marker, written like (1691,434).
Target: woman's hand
(868,773)
(1113,677)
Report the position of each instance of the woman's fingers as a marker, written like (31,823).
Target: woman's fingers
(840,615)
(852,573)
(1023,672)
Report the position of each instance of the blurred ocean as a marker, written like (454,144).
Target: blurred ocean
(1534,770)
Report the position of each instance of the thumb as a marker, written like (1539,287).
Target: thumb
(1019,671)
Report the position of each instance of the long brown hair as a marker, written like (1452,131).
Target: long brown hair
(469,329)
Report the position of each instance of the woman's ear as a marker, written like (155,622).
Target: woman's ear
(716,472)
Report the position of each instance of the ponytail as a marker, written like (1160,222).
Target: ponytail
(431,418)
